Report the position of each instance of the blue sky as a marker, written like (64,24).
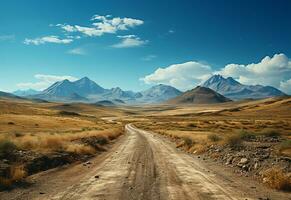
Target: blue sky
(136,44)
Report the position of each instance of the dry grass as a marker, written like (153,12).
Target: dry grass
(47,142)
(277,179)
(234,141)
(80,149)
(17,173)
(285,148)
(213,137)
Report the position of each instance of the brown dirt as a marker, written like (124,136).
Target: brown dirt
(142,165)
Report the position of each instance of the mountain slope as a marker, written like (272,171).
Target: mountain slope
(158,93)
(9,95)
(85,87)
(199,95)
(23,93)
(235,90)
(70,91)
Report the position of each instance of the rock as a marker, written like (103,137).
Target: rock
(243,161)
(229,161)
(256,165)
(88,163)
(288,159)
(245,168)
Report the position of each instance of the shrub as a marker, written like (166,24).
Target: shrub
(270,133)
(213,137)
(246,135)
(277,179)
(188,141)
(6,148)
(234,141)
(63,112)
(17,134)
(16,174)
(285,145)
(80,149)
(192,125)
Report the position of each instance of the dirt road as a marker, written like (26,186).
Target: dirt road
(144,166)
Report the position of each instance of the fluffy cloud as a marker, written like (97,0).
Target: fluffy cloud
(274,71)
(183,76)
(129,41)
(77,51)
(44,81)
(102,25)
(48,39)
(286,86)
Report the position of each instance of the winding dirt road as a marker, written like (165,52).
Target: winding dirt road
(144,166)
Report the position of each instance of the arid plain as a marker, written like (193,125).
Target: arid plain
(234,150)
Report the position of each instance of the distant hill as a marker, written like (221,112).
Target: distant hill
(199,95)
(158,93)
(235,90)
(23,93)
(9,95)
(118,93)
(104,103)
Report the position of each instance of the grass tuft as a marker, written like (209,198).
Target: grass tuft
(234,141)
(213,137)
(277,179)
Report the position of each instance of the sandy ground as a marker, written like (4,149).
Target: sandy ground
(142,165)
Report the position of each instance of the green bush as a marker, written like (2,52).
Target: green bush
(213,137)
(270,133)
(6,148)
(246,135)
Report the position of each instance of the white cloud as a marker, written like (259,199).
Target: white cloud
(171,31)
(274,71)
(286,86)
(183,76)
(44,81)
(77,51)
(149,57)
(47,39)
(7,37)
(102,25)
(129,41)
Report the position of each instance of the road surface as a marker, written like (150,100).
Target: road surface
(140,166)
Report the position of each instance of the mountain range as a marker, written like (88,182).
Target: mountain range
(86,90)
(234,90)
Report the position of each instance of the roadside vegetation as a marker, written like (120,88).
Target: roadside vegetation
(248,145)
(38,137)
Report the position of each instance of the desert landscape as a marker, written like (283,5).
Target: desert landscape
(43,144)
(145,100)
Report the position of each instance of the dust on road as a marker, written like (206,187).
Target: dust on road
(141,166)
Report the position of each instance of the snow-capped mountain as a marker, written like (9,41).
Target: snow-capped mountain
(86,90)
(235,90)
(158,93)
(23,93)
